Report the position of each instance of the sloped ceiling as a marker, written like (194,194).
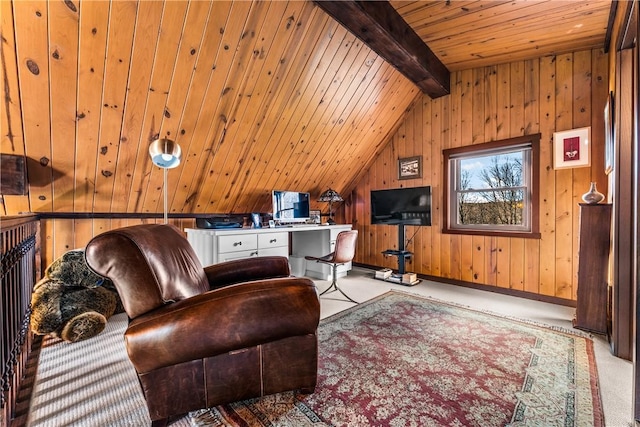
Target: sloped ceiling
(260,95)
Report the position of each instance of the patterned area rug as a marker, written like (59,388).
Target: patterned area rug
(405,360)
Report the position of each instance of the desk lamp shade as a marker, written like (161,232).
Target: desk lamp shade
(165,154)
(330,196)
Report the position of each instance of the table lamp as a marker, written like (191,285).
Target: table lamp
(330,196)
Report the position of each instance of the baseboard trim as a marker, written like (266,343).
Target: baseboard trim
(505,291)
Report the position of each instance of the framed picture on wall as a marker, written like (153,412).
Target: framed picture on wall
(571,148)
(314,216)
(608,134)
(410,167)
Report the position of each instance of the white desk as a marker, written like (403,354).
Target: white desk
(213,246)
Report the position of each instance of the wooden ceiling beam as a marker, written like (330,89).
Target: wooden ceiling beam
(378,25)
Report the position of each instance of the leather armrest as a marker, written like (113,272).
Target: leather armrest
(222,320)
(245,270)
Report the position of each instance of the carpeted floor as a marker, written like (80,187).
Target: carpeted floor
(103,390)
(402,360)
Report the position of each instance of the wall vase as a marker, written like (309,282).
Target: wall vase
(593,196)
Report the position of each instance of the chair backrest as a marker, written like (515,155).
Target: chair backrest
(345,246)
(150,265)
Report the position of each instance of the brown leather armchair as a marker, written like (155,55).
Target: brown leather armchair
(199,337)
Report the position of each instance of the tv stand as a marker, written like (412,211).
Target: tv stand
(402,254)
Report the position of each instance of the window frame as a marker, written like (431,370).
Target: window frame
(532,141)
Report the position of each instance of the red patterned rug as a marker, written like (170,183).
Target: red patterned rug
(405,360)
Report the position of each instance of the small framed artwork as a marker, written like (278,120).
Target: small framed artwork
(608,135)
(571,148)
(410,167)
(314,216)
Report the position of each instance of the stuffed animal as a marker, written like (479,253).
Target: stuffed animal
(71,301)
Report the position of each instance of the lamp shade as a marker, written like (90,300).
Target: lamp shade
(165,153)
(330,196)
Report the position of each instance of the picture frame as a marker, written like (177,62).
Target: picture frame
(571,148)
(410,167)
(314,216)
(609,134)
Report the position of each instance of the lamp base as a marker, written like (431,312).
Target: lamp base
(330,221)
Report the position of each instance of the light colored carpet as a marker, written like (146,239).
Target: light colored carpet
(92,383)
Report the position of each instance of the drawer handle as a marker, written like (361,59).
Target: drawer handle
(273,240)
(237,243)
(254,253)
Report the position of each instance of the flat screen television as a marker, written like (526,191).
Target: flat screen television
(410,206)
(290,206)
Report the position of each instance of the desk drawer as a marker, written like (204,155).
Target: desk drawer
(237,242)
(230,256)
(273,240)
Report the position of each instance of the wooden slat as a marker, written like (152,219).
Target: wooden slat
(564,181)
(11,139)
(93,30)
(33,73)
(117,61)
(179,85)
(133,157)
(196,120)
(165,62)
(581,116)
(63,48)
(220,98)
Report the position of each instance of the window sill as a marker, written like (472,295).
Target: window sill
(522,235)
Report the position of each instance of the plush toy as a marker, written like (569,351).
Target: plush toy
(71,301)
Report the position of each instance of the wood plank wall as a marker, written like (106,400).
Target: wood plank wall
(552,93)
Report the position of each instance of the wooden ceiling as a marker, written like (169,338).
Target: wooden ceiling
(260,95)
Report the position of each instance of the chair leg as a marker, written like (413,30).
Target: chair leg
(334,285)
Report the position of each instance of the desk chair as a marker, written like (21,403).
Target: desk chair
(343,253)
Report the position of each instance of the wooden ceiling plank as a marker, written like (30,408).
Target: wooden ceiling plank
(251,105)
(33,74)
(311,71)
(12,140)
(384,30)
(174,17)
(117,61)
(134,146)
(63,67)
(179,84)
(526,29)
(353,105)
(238,34)
(506,16)
(237,142)
(374,117)
(195,114)
(266,151)
(339,47)
(288,96)
(456,11)
(494,57)
(309,153)
(94,27)
(210,129)
(259,150)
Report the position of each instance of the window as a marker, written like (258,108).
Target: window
(492,188)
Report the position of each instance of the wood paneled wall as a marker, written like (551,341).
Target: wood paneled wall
(552,93)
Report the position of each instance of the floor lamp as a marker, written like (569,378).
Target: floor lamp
(165,154)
